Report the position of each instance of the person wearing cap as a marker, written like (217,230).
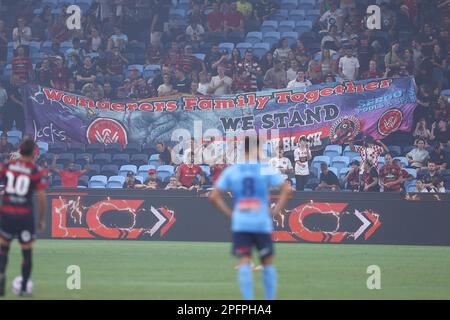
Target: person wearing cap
(152,182)
(351,179)
(276,77)
(349,66)
(300,81)
(302,154)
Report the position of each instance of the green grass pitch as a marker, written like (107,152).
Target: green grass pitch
(195,270)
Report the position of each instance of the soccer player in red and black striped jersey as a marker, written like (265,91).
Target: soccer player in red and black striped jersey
(21,177)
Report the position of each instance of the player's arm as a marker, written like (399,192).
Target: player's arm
(217,199)
(285,195)
(42,207)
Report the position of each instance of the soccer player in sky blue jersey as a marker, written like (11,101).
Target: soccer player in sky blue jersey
(252,223)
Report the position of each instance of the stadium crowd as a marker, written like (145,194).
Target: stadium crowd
(137,49)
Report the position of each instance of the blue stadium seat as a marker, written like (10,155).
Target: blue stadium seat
(98,181)
(332,150)
(80,158)
(289,4)
(65,158)
(132,148)
(269,26)
(395,151)
(260,49)
(164,171)
(115,182)
(149,70)
(348,153)
(43,146)
(403,160)
(109,170)
(120,159)
(143,170)
(51,3)
(226,46)
(123,171)
(102,158)
(113,148)
(200,56)
(139,159)
(177,14)
(343,172)
(292,36)
(286,26)
(83,181)
(297,15)
(154,160)
(271,37)
(411,186)
(303,26)
(76,147)
(57,147)
(253,37)
(242,46)
(357,158)
(281,15)
(306,5)
(412,172)
(312,15)
(95,170)
(95,148)
(381,162)
(340,162)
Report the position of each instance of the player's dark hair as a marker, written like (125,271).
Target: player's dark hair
(27,147)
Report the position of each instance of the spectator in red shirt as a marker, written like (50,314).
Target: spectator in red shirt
(372,73)
(115,66)
(60,75)
(233,19)
(351,180)
(22,65)
(187,173)
(370,179)
(391,176)
(69,175)
(215,19)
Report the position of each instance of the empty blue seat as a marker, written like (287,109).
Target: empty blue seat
(102,158)
(206,169)
(303,26)
(395,151)
(343,172)
(340,162)
(43,146)
(115,182)
(226,46)
(260,49)
(98,181)
(154,160)
(271,37)
(297,15)
(123,171)
(177,14)
(200,56)
(253,37)
(306,5)
(285,26)
(164,171)
(269,26)
(109,170)
(289,4)
(120,159)
(332,150)
(281,15)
